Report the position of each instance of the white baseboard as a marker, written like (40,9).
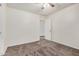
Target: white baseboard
(19,43)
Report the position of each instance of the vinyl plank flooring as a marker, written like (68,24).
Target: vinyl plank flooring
(47,48)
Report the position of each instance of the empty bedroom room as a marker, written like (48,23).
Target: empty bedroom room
(39,29)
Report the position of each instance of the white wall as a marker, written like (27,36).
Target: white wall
(22,27)
(48,29)
(2,29)
(66,26)
(42,27)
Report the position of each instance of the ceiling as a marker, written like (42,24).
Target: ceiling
(36,7)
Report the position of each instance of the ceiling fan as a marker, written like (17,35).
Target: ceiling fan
(52,5)
(45,4)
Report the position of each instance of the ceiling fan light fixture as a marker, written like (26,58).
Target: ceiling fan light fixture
(44,5)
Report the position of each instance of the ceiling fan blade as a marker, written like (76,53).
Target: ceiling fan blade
(51,5)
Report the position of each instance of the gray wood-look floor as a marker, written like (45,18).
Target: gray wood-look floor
(47,48)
